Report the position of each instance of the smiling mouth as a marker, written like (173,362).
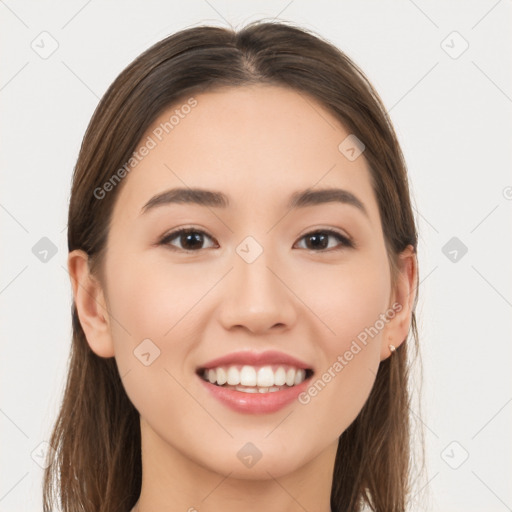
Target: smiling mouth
(255,379)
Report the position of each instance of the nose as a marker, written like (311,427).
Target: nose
(257,298)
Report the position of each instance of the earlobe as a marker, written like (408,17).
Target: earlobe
(402,302)
(90,304)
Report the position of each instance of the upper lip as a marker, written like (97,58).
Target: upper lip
(251,358)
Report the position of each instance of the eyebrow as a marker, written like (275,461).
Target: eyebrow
(214,199)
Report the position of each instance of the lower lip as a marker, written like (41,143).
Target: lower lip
(255,403)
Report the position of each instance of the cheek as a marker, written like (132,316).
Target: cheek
(155,328)
(152,299)
(347,299)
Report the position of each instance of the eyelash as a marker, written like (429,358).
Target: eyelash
(165,240)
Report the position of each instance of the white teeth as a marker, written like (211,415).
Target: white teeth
(233,376)
(290,377)
(265,377)
(262,379)
(222,377)
(246,389)
(280,377)
(248,376)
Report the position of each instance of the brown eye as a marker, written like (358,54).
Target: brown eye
(321,240)
(188,239)
(193,240)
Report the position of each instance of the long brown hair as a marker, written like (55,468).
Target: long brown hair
(96,463)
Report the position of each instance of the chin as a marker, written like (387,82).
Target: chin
(262,466)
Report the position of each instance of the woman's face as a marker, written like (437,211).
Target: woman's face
(309,281)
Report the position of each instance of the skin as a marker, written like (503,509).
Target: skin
(257,144)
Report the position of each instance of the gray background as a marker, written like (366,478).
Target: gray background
(451,109)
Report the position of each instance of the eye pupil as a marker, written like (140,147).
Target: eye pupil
(320,241)
(193,240)
(196,240)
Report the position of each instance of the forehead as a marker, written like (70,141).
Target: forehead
(258,142)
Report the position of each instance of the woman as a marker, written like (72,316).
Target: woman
(242,253)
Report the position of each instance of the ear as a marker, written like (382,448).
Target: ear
(90,304)
(402,301)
